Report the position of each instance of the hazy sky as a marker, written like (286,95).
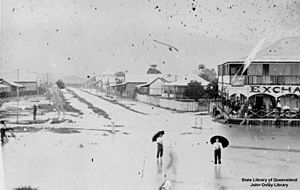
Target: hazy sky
(93,36)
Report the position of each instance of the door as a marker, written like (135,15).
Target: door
(259,101)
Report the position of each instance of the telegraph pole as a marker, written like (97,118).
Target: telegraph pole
(37,85)
(47,80)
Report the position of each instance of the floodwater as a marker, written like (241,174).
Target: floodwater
(90,156)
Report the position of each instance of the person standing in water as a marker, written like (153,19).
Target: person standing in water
(160,147)
(34,112)
(217,151)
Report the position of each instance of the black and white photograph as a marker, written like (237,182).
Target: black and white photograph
(150,94)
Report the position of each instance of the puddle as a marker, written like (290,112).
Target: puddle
(25,129)
(115,126)
(57,121)
(189,133)
(63,130)
(25,188)
(197,127)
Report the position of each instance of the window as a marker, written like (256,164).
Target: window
(220,70)
(266,69)
(236,69)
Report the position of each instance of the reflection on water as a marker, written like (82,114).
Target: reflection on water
(159,166)
(218,174)
(219,180)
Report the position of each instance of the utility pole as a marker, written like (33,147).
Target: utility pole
(17,96)
(47,80)
(37,85)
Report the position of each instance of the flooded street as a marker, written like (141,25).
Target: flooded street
(143,94)
(85,154)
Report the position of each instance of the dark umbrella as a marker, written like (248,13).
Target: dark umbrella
(158,134)
(224,141)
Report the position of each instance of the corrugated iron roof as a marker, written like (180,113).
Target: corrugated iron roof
(149,83)
(187,79)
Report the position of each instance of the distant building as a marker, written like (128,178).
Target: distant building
(153,87)
(10,88)
(177,88)
(4,89)
(128,88)
(108,79)
(28,86)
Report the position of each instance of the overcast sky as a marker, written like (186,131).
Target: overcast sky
(94,36)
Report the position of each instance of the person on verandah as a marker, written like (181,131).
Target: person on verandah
(278,106)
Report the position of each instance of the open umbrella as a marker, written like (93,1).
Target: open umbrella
(224,141)
(158,134)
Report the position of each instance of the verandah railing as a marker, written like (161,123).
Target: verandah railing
(269,79)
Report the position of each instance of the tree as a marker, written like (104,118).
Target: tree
(60,84)
(120,74)
(208,74)
(153,70)
(201,66)
(194,90)
(212,89)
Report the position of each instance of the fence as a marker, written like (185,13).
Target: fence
(178,105)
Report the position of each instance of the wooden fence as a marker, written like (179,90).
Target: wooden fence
(178,105)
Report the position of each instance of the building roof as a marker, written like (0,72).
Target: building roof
(124,83)
(151,82)
(187,79)
(25,81)
(13,83)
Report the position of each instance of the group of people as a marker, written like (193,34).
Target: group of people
(237,109)
(217,149)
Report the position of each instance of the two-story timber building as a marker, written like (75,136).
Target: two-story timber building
(271,80)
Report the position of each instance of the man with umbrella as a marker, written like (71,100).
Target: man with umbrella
(218,143)
(158,138)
